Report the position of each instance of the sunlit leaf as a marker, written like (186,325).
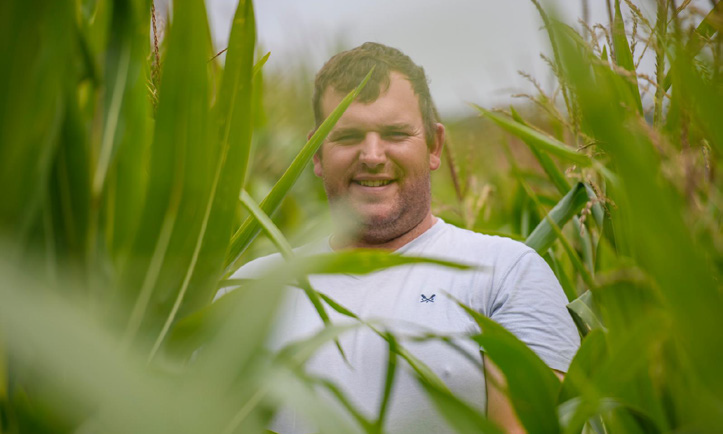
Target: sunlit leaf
(532,386)
(572,203)
(623,56)
(535,138)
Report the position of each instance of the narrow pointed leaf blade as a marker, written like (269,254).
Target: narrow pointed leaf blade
(583,313)
(532,386)
(623,56)
(460,415)
(534,138)
(549,166)
(181,168)
(572,203)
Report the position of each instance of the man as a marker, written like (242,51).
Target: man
(375,165)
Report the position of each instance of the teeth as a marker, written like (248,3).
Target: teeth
(376,183)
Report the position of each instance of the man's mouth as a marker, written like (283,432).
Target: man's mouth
(374,183)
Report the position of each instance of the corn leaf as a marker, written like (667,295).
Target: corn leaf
(536,139)
(268,226)
(388,381)
(623,56)
(561,275)
(657,227)
(543,235)
(284,247)
(549,166)
(181,171)
(119,175)
(233,116)
(583,313)
(296,354)
(460,415)
(68,347)
(705,30)
(38,37)
(532,386)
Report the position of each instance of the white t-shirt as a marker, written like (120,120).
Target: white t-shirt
(515,287)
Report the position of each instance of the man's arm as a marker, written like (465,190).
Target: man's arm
(499,407)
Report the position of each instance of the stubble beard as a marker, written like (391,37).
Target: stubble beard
(412,206)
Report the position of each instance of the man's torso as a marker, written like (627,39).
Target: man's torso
(416,303)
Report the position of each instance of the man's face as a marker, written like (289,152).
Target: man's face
(376,164)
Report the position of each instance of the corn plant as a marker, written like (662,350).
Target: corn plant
(642,261)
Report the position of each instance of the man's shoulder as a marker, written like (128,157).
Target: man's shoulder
(490,248)
(256,268)
(263,265)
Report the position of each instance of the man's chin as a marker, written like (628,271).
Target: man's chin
(376,218)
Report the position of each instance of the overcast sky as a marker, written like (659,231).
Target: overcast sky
(470,49)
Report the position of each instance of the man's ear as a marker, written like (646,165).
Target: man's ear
(435,152)
(317,163)
(317,156)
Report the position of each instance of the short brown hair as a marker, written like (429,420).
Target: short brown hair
(344,71)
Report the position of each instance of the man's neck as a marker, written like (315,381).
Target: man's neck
(341,243)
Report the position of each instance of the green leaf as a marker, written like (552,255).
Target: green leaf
(536,139)
(284,247)
(189,333)
(572,203)
(549,166)
(69,353)
(388,381)
(250,228)
(460,415)
(582,310)
(587,363)
(267,225)
(35,38)
(297,353)
(532,386)
(297,392)
(120,175)
(653,217)
(69,193)
(705,30)
(700,95)
(576,413)
(181,173)
(561,275)
(233,115)
(623,56)
(364,261)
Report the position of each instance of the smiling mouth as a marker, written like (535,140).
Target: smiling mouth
(374,183)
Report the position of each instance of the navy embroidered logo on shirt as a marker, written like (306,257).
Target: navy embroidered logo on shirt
(427,300)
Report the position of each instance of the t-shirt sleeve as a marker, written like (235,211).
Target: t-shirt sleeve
(251,270)
(529,302)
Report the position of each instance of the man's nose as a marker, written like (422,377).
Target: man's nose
(372,153)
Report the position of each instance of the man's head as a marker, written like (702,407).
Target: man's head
(344,71)
(376,161)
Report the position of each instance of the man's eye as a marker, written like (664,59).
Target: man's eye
(350,138)
(397,135)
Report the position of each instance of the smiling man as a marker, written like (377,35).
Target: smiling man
(376,165)
(376,162)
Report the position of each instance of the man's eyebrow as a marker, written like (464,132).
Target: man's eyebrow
(341,131)
(397,127)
